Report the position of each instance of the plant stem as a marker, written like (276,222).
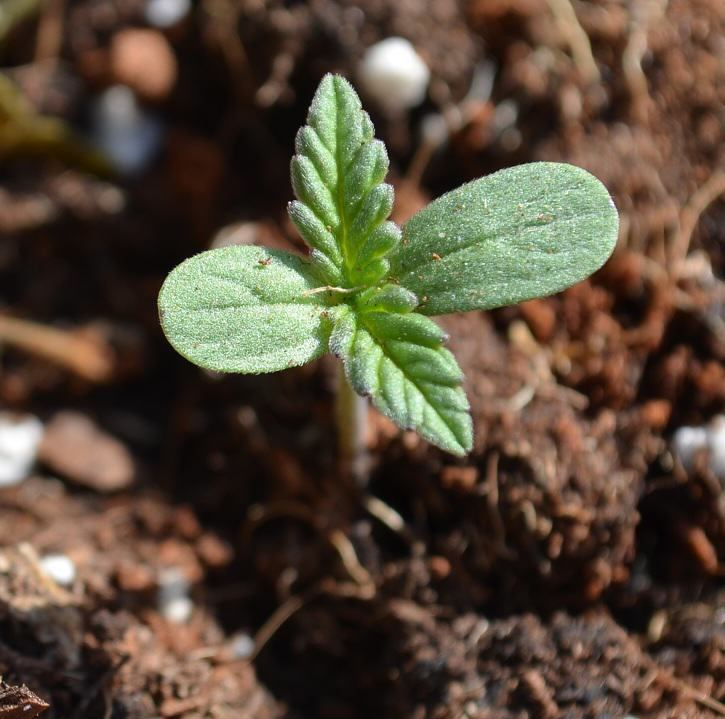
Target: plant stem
(13,12)
(352,415)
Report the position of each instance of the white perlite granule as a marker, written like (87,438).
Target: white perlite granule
(394,75)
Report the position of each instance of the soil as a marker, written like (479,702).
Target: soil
(570,567)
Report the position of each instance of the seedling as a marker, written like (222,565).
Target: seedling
(367,289)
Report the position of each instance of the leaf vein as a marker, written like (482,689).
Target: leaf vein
(497,233)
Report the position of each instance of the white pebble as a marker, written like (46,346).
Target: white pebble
(242,646)
(19,441)
(125,131)
(687,441)
(166,13)
(172,596)
(177,611)
(716,443)
(60,568)
(394,74)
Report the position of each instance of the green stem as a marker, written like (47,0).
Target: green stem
(352,415)
(12,12)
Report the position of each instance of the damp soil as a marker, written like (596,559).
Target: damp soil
(569,567)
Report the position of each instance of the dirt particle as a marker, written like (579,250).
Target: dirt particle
(440,567)
(144,61)
(75,447)
(20,703)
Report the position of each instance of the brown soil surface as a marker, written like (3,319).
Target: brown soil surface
(570,567)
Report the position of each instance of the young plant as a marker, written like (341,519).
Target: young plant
(367,289)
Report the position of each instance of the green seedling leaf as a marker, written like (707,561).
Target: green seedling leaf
(245,309)
(399,361)
(337,175)
(388,298)
(364,292)
(524,232)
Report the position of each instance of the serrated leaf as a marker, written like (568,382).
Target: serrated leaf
(336,176)
(388,298)
(399,361)
(245,309)
(525,232)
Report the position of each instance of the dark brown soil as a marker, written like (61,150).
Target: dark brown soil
(570,567)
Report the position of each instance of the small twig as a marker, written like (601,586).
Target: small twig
(522,397)
(348,556)
(691,212)
(548,390)
(492,500)
(278,618)
(706,701)
(695,694)
(576,38)
(642,16)
(421,159)
(338,540)
(634,74)
(386,514)
(70,349)
(293,605)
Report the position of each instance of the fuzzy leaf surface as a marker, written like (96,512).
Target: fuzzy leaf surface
(244,309)
(388,298)
(524,232)
(342,203)
(400,362)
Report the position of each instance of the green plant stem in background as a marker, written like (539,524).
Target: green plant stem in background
(13,12)
(26,134)
(352,420)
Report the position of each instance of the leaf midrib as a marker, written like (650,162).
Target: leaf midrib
(497,233)
(382,343)
(261,304)
(340,165)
